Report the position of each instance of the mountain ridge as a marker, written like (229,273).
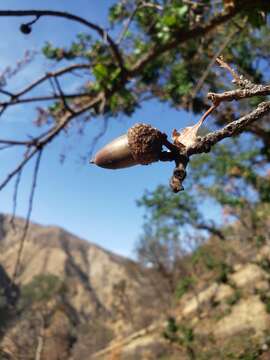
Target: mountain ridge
(100,286)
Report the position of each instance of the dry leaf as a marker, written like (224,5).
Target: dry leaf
(186,137)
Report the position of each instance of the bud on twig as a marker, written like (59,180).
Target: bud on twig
(25,29)
(141,145)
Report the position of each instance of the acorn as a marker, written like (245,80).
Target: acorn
(141,145)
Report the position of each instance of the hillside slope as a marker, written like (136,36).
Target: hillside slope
(74,300)
(102,290)
(221,320)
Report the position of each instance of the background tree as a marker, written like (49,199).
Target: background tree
(164,50)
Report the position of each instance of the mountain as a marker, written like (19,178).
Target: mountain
(73,300)
(85,289)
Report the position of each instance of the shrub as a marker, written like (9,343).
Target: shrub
(183,286)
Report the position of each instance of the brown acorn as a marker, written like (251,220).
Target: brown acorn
(141,145)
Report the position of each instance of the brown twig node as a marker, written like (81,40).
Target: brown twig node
(226,66)
(179,174)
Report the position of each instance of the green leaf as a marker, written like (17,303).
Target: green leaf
(100,71)
(169,20)
(182,11)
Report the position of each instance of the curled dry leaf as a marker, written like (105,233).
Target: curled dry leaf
(188,136)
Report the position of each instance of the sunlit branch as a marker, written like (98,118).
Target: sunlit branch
(238,94)
(101,32)
(205,143)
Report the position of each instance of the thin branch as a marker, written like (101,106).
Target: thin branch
(226,66)
(15,196)
(102,32)
(211,229)
(62,96)
(151,5)
(127,25)
(238,94)
(7,93)
(206,114)
(17,169)
(183,34)
(4,147)
(48,75)
(180,37)
(205,143)
(52,86)
(4,108)
(29,212)
(16,142)
(223,46)
(42,98)
(67,118)
(15,97)
(48,137)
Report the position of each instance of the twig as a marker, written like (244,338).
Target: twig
(206,114)
(205,143)
(15,142)
(43,98)
(4,147)
(151,5)
(226,66)
(5,92)
(212,62)
(27,222)
(102,32)
(47,137)
(17,169)
(62,96)
(52,86)
(15,196)
(180,37)
(127,25)
(48,75)
(238,94)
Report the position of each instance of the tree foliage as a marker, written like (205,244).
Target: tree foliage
(165,50)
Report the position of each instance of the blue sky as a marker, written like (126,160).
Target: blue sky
(96,204)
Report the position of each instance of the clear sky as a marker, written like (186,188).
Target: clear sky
(96,204)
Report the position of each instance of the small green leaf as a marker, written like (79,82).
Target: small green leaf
(182,11)
(100,71)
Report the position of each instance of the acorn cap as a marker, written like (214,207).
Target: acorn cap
(145,143)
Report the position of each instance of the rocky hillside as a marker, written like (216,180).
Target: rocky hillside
(84,287)
(74,300)
(227,318)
